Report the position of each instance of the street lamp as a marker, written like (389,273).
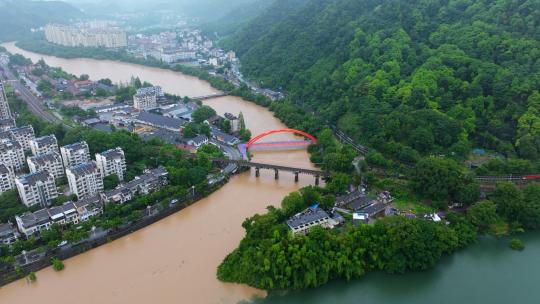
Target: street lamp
(193,191)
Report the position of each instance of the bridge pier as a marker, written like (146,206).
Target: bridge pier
(316,180)
(276,174)
(257,173)
(296,176)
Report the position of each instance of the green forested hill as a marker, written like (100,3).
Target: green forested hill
(17,17)
(408,77)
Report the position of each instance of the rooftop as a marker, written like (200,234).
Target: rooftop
(307,216)
(83,169)
(23,130)
(77,146)
(35,177)
(113,153)
(161,121)
(45,158)
(46,140)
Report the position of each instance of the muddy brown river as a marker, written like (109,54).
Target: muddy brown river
(175,259)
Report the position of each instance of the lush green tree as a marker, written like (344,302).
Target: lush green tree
(483,215)
(202,113)
(110,181)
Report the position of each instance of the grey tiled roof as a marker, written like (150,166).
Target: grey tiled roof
(46,140)
(158,120)
(45,158)
(77,146)
(84,169)
(309,215)
(33,178)
(3,169)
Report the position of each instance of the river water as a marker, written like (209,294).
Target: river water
(174,260)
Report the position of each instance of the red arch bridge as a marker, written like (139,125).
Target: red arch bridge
(255,144)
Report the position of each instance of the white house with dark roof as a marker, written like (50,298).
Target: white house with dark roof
(23,135)
(158,121)
(302,222)
(8,234)
(198,141)
(75,154)
(84,180)
(111,162)
(32,223)
(36,188)
(44,144)
(12,154)
(50,162)
(148,182)
(7,178)
(6,124)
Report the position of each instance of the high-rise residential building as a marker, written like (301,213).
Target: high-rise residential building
(12,154)
(111,162)
(23,135)
(36,188)
(6,124)
(109,37)
(5,113)
(145,99)
(84,180)
(75,154)
(7,178)
(44,144)
(50,162)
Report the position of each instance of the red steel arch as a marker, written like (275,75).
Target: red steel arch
(256,138)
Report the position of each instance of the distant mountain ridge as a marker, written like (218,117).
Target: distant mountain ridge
(17,17)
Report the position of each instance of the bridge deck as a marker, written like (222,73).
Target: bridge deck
(245,163)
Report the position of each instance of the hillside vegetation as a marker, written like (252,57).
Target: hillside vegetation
(409,78)
(18,17)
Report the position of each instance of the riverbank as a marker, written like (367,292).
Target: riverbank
(175,258)
(67,252)
(43,47)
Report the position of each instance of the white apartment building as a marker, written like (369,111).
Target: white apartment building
(44,144)
(36,188)
(5,113)
(24,135)
(85,36)
(7,178)
(6,123)
(75,154)
(112,161)
(50,162)
(12,154)
(84,180)
(145,100)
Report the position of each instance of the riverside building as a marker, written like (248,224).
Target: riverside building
(75,154)
(111,162)
(84,180)
(44,144)
(50,162)
(36,188)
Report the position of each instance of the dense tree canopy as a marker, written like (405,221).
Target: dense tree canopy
(407,77)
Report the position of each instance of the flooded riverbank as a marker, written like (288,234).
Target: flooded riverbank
(173,260)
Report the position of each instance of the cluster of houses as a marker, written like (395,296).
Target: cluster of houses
(59,85)
(358,204)
(47,164)
(153,116)
(185,45)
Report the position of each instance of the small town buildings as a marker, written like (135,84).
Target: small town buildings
(50,162)
(371,211)
(146,98)
(150,181)
(198,141)
(23,135)
(234,121)
(7,178)
(75,154)
(5,113)
(36,188)
(32,223)
(84,180)
(158,121)
(224,137)
(44,144)
(8,234)
(111,162)
(302,222)
(6,124)
(12,154)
